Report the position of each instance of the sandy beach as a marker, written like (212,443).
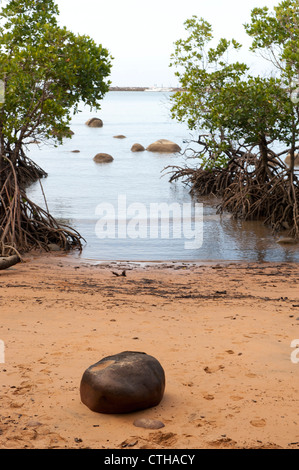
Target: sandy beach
(221,331)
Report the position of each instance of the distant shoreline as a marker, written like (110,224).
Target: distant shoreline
(168,89)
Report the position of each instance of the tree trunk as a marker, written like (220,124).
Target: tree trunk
(264,157)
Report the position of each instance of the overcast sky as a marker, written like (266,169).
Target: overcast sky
(140,34)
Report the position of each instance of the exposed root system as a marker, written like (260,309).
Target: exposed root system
(23,224)
(249,188)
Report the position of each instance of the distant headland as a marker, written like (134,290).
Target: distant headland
(168,89)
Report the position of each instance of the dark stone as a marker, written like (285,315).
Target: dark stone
(122,383)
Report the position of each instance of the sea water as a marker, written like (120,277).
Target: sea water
(76,187)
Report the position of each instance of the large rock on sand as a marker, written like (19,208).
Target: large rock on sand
(164,146)
(123,383)
(103,158)
(94,122)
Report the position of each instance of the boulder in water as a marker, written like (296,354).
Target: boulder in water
(164,146)
(103,158)
(94,122)
(137,148)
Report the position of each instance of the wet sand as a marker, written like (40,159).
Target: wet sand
(222,333)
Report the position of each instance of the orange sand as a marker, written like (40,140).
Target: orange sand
(222,333)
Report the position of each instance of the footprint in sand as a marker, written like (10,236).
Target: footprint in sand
(209,397)
(23,388)
(258,423)
(166,439)
(223,442)
(16,404)
(236,398)
(188,384)
(211,370)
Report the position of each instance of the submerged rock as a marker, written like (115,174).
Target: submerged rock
(122,383)
(119,137)
(164,146)
(103,158)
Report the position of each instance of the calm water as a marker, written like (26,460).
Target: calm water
(76,186)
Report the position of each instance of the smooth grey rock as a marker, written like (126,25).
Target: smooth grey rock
(148,423)
(122,383)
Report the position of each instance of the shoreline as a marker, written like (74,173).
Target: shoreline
(160,262)
(221,331)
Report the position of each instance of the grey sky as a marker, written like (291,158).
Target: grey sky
(140,35)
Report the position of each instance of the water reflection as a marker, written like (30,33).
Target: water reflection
(245,240)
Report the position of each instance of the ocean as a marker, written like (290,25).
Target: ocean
(112,205)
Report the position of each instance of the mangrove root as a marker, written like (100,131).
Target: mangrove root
(9,261)
(24,225)
(249,189)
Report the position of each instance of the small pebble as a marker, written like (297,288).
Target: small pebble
(148,423)
(33,423)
